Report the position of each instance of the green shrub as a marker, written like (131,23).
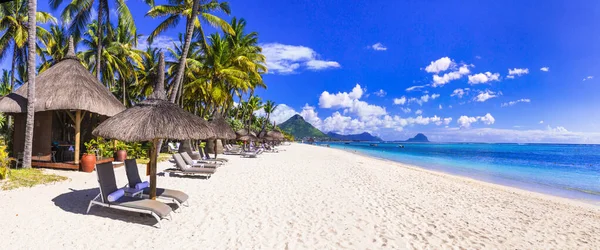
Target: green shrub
(4,163)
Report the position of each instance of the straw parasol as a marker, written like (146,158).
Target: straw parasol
(152,120)
(244,135)
(278,136)
(221,128)
(67,85)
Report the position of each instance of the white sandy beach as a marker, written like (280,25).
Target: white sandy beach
(307,197)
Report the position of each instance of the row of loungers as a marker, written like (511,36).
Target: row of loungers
(112,196)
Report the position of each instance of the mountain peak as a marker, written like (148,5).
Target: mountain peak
(365,136)
(296,117)
(299,128)
(418,138)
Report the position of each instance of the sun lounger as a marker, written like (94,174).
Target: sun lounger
(197,163)
(207,158)
(112,197)
(133,177)
(172,147)
(187,169)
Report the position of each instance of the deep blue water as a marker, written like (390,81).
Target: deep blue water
(571,171)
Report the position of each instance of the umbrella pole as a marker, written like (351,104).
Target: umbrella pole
(153,159)
(77,135)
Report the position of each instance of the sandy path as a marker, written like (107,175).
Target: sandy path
(305,198)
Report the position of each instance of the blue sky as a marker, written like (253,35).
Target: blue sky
(499,71)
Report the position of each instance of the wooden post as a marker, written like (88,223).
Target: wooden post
(153,159)
(77,134)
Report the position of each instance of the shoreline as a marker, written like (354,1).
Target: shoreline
(569,201)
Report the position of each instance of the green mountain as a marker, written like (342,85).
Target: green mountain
(299,128)
(357,137)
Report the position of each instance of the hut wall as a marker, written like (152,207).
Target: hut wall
(42,133)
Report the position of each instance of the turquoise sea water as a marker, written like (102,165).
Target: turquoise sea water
(571,171)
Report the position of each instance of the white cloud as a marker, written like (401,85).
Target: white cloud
(588,78)
(483,78)
(379,47)
(320,64)
(558,129)
(440,107)
(400,101)
(517,72)
(419,112)
(545,69)
(511,103)
(162,42)
(486,95)
(286,59)
(466,121)
(447,120)
(341,99)
(409,89)
(406,110)
(454,75)
(380,93)
(311,116)
(351,103)
(439,65)
(424,98)
(542,122)
(460,92)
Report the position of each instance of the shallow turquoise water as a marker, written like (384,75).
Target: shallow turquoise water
(571,171)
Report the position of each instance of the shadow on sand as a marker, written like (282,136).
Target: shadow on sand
(77,201)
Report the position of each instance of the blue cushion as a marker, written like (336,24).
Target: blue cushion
(115,195)
(142,185)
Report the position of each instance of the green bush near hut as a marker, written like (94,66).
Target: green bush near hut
(5,163)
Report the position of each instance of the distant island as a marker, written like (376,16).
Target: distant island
(356,137)
(418,138)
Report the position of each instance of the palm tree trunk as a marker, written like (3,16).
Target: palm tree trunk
(124,93)
(31,88)
(265,123)
(189,31)
(12,82)
(99,45)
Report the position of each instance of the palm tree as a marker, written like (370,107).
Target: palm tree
(5,83)
(13,21)
(55,46)
(32,25)
(79,14)
(269,107)
(174,13)
(254,104)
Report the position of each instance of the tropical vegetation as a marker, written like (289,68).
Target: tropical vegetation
(206,73)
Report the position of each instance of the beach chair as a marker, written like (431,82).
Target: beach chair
(135,181)
(207,157)
(197,163)
(230,150)
(187,169)
(112,197)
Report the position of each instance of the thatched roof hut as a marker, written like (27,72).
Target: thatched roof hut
(278,136)
(221,128)
(67,85)
(65,90)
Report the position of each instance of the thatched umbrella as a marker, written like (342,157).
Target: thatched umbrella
(222,131)
(278,136)
(244,135)
(67,85)
(152,120)
(266,136)
(221,128)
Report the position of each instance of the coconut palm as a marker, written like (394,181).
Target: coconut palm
(190,10)
(254,104)
(79,14)
(54,46)
(14,23)
(268,107)
(31,26)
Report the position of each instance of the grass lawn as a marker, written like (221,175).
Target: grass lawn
(28,178)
